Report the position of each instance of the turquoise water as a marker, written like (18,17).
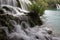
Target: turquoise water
(53,18)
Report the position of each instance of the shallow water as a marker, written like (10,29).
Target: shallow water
(53,18)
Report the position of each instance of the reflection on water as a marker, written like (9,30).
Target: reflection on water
(53,18)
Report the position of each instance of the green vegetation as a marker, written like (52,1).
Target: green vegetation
(37,8)
(35,12)
(47,3)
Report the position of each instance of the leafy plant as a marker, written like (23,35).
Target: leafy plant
(37,8)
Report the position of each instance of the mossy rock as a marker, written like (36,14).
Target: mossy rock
(34,19)
(3,35)
(5,20)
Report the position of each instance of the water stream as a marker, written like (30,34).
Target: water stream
(53,18)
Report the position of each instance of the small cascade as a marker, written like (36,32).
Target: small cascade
(8,2)
(15,11)
(24,4)
(58,6)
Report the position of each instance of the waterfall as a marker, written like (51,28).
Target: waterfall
(58,6)
(8,2)
(15,10)
(22,29)
(24,4)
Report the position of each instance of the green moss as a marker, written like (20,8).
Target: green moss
(3,35)
(5,21)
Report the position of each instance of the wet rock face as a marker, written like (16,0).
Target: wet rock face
(2,35)
(1,11)
(6,8)
(50,32)
(34,19)
(6,21)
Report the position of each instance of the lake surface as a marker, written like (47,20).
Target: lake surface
(53,18)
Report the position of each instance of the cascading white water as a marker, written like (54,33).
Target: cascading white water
(57,6)
(24,4)
(35,33)
(23,31)
(14,3)
(15,10)
(8,2)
